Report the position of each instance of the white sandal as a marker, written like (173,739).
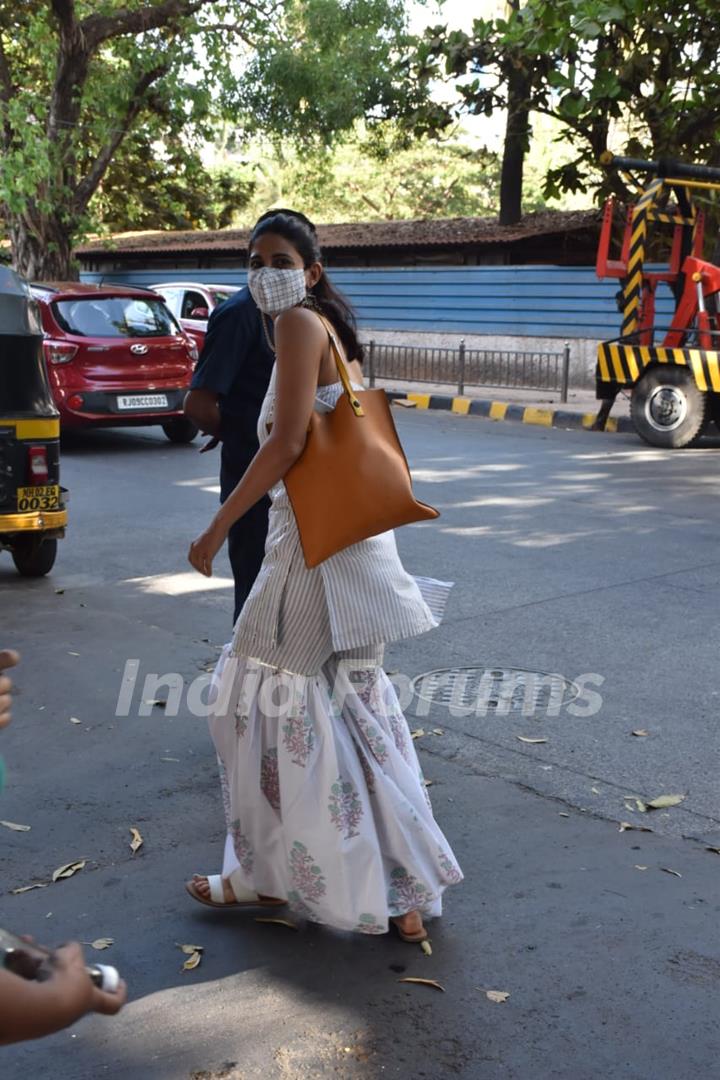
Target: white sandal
(247,898)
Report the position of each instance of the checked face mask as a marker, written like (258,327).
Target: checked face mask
(275,290)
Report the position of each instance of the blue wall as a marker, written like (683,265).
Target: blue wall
(533,301)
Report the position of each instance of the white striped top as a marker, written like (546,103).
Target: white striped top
(370,597)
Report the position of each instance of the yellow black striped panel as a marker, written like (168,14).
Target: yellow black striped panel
(632,287)
(650,194)
(670,219)
(624,364)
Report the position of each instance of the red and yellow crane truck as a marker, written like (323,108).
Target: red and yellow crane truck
(672,372)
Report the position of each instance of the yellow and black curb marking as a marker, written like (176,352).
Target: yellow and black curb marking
(500,410)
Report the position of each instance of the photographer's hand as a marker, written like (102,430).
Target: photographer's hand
(29,1010)
(8,659)
(69,967)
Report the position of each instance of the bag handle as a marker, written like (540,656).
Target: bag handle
(340,365)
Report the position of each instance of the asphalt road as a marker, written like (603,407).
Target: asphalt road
(574,553)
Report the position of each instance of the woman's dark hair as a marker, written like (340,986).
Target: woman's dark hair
(298,231)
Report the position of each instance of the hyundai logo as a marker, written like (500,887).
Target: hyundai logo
(139,350)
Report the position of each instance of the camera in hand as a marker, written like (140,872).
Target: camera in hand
(31,961)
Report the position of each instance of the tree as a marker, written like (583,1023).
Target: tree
(77,77)
(154,185)
(375,176)
(518,82)
(643,73)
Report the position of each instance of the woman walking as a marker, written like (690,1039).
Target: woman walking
(324,798)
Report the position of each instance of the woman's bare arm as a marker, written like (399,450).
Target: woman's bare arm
(300,340)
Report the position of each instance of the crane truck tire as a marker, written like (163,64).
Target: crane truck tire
(668,409)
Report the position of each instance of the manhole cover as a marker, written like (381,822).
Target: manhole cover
(497,691)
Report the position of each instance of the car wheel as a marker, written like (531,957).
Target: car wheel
(33,557)
(180,430)
(668,409)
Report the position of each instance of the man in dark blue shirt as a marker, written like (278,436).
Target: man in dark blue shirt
(225,396)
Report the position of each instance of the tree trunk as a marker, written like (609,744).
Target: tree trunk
(517,132)
(43,253)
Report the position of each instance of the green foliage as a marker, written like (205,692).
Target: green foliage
(323,70)
(172,190)
(638,76)
(376,176)
(78,77)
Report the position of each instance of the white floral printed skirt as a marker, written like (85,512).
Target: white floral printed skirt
(324,797)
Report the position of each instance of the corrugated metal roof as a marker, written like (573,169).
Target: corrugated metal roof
(450,232)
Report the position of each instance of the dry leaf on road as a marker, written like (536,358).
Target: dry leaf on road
(497,995)
(625,825)
(638,867)
(100,943)
(137,841)
(193,953)
(438,731)
(417,733)
(68,870)
(74,720)
(715,850)
(426,947)
(524,738)
(669,871)
(640,732)
(27,888)
(278,922)
(423,982)
(15,827)
(665,800)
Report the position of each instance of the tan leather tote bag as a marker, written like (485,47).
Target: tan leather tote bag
(352,480)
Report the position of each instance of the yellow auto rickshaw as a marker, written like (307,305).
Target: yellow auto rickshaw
(32,503)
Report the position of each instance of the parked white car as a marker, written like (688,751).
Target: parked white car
(192,302)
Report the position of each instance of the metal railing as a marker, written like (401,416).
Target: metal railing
(461,367)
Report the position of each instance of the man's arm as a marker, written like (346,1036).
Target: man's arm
(202,407)
(201,404)
(229,329)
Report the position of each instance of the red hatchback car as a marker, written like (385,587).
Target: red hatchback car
(115,356)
